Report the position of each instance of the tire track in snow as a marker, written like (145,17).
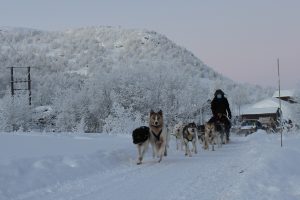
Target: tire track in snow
(207,175)
(214,179)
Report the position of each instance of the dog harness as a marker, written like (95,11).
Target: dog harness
(188,138)
(157,136)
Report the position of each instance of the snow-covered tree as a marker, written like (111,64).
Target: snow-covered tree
(82,73)
(15,113)
(122,120)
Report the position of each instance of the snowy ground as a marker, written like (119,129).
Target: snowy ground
(102,167)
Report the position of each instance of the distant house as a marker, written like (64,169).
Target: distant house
(259,113)
(286,95)
(267,111)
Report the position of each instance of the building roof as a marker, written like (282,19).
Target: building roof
(257,111)
(284,93)
(267,106)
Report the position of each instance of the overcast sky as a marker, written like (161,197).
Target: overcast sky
(241,39)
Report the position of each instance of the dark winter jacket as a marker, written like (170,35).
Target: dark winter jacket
(220,105)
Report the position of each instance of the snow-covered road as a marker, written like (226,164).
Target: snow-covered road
(253,167)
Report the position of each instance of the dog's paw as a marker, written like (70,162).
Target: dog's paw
(159,159)
(139,161)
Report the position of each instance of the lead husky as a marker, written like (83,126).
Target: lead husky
(158,135)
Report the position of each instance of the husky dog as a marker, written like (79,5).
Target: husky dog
(140,138)
(220,129)
(222,126)
(177,131)
(211,136)
(190,135)
(201,133)
(158,134)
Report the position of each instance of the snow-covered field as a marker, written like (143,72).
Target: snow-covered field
(39,166)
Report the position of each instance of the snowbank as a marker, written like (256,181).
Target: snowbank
(88,166)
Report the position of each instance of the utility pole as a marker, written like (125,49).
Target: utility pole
(279,97)
(13,82)
(29,85)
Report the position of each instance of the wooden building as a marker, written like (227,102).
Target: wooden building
(257,113)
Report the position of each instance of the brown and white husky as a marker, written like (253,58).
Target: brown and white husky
(211,136)
(159,137)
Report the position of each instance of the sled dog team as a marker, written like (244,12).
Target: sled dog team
(158,136)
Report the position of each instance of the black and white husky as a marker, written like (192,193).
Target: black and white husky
(141,138)
(190,135)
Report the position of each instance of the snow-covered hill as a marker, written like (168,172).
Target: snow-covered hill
(93,76)
(88,51)
(39,166)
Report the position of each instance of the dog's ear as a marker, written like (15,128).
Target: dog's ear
(151,112)
(160,112)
